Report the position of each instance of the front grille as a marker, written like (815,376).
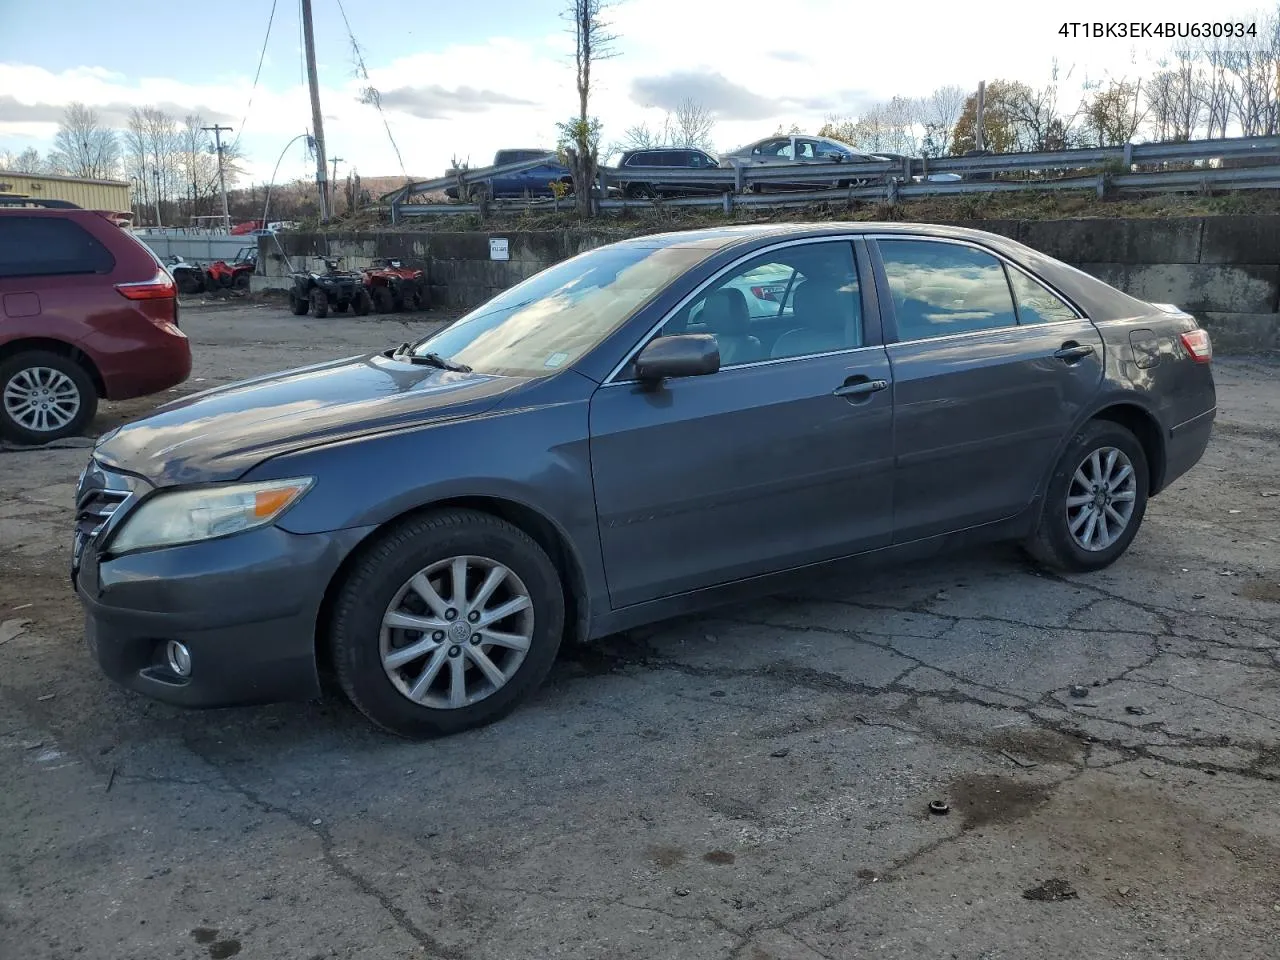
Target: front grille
(94,509)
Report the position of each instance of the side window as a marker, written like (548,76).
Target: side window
(1036,303)
(792,302)
(806,150)
(48,246)
(941,289)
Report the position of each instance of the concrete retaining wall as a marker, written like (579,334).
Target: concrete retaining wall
(1226,270)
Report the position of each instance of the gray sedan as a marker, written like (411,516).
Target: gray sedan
(618,440)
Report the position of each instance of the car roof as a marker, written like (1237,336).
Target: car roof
(744,233)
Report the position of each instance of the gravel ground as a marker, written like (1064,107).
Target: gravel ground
(752,783)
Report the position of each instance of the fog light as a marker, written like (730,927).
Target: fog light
(179,658)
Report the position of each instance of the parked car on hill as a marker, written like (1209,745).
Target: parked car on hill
(535,182)
(799,151)
(614,441)
(87,312)
(666,160)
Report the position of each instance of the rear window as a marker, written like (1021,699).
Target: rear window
(49,246)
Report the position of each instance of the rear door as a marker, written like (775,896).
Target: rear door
(991,368)
(782,458)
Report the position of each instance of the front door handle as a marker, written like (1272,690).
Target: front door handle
(1071,351)
(860,387)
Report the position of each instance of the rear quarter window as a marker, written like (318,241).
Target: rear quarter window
(48,247)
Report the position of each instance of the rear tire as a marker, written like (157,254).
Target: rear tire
(379,586)
(241,281)
(319,304)
(382,300)
(44,396)
(298,305)
(1076,506)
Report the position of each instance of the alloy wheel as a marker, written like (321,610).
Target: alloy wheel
(41,399)
(456,632)
(1100,499)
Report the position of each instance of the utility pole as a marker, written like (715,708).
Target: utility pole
(317,120)
(217,129)
(155,175)
(333,180)
(977,123)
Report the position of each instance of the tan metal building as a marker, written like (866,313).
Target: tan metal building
(110,195)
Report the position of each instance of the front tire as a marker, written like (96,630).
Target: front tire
(1095,502)
(360,303)
(445,623)
(44,397)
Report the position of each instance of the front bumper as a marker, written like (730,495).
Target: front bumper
(245,606)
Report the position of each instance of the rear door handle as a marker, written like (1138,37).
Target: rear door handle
(860,388)
(1071,352)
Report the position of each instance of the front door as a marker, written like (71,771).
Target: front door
(782,458)
(990,371)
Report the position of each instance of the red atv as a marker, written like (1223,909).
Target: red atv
(221,275)
(393,286)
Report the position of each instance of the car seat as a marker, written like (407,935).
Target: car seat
(726,315)
(824,312)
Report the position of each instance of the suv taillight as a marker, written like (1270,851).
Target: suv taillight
(159,287)
(1198,345)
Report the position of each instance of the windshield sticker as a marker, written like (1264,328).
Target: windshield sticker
(556,359)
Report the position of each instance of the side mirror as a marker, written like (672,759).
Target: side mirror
(686,355)
(835,156)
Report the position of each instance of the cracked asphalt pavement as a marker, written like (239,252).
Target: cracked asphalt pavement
(751,783)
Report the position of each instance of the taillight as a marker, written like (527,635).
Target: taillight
(1197,344)
(765,293)
(159,287)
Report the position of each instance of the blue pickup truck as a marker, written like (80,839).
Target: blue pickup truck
(535,182)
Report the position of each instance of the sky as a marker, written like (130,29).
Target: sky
(462,82)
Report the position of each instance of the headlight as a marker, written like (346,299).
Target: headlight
(185,516)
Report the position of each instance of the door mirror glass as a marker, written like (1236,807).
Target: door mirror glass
(686,355)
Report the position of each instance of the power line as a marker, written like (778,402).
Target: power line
(258,73)
(370,93)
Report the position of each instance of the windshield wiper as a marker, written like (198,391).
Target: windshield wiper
(403,352)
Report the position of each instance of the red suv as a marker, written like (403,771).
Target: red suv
(86,311)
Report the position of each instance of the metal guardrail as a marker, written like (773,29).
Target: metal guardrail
(1251,178)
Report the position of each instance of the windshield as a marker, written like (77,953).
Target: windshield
(547,322)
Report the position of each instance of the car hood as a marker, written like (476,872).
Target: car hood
(222,433)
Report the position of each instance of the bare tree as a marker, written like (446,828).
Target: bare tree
(1255,69)
(643,137)
(84,146)
(1215,89)
(1113,114)
(580,136)
(1036,117)
(28,161)
(939,113)
(694,123)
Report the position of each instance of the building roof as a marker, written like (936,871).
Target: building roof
(51,176)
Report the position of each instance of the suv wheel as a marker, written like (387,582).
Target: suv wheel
(1096,500)
(44,396)
(446,622)
(319,303)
